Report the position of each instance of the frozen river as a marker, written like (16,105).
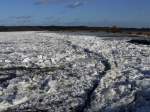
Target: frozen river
(58,72)
(106,35)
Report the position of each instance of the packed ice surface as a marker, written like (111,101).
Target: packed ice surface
(43,71)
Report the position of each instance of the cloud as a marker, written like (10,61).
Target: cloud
(71,3)
(22,17)
(75,4)
(42,2)
(24,20)
(47,2)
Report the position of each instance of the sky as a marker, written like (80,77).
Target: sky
(123,13)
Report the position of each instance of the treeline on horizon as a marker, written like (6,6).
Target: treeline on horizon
(113,29)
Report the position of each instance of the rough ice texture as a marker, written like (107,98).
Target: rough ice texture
(55,72)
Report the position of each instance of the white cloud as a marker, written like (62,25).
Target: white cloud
(75,4)
(72,3)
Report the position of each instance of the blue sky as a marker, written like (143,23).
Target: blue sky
(126,13)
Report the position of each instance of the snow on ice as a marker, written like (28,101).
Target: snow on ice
(43,71)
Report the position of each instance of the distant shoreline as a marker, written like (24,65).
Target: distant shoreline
(127,31)
(68,28)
